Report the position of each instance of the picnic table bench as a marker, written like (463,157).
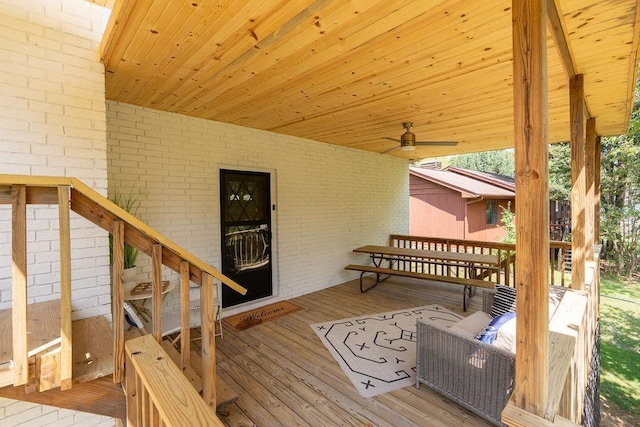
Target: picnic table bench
(401,262)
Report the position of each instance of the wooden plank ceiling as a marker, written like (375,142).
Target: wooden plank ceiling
(349,72)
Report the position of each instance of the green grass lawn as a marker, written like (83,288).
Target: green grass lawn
(620,343)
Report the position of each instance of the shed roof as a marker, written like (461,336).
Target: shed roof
(502,181)
(468,186)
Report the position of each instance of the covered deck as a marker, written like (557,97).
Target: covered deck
(490,75)
(284,375)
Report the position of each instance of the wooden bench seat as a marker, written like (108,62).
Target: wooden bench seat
(469,284)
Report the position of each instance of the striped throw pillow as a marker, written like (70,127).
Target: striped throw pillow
(504,301)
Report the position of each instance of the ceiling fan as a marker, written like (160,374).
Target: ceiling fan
(408,141)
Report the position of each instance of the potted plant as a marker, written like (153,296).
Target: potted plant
(129,203)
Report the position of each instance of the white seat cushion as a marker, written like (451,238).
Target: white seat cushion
(471,325)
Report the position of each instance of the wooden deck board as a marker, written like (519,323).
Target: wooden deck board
(284,375)
(295,381)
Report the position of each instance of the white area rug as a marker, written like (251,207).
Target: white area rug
(378,351)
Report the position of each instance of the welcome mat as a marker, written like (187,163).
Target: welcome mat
(378,351)
(255,317)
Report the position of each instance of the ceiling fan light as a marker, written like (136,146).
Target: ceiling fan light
(408,148)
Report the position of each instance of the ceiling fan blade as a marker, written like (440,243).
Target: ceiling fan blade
(437,143)
(390,149)
(392,139)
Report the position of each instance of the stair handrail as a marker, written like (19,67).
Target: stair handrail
(80,191)
(160,393)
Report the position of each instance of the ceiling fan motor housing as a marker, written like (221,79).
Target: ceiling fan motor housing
(408,138)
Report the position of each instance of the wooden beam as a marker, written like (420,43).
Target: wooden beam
(19,284)
(596,197)
(35,195)
(576,103)
(156,291)
(185,320)
(532,203)
(120,12)
(66,352)
(590,179)
(207,327)
(556,26)
(561,40)
(117,300)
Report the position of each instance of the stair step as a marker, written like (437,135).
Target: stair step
(92,348)
(192,376)
(225,395)
(43,324)
(43,330)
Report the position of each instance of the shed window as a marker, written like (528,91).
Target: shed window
(492,212)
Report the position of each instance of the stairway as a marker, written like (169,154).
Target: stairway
(93,388)
(55,361)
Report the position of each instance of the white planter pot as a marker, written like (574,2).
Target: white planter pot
(130,279)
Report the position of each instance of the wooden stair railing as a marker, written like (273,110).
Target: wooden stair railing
(161,394)
(71,194)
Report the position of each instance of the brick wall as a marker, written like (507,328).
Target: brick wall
(52,122)
(52,116)
(328,199)
(25,414)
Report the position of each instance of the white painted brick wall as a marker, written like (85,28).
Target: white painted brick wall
(53,122)
(329,199)
(24,414)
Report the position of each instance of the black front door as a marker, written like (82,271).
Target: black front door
(245,210)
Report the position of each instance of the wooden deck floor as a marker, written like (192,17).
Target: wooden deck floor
(285,376)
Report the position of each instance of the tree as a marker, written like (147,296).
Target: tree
(508,222)
(620,192)
(560,171)
(500,162)
(620,197)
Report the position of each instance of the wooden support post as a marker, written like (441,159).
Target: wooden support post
(596,186)
(578,182)
(19,284)
(590,180)
(117,300)
(207,327)
(156,291)
(532,203)
(185,320)
(66,353)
